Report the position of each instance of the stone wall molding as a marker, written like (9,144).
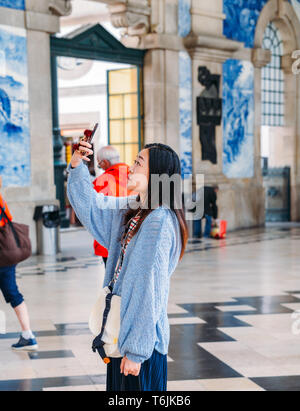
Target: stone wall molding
(60,7)
(207,13)
(260,57)
(132,15)
(154,41)
(41,22)
(212,48)
(287,63)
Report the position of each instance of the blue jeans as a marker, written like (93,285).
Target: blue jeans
(208,225)
(8,286)
(197,230)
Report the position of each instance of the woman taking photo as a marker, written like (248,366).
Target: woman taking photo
(9,288)
(145,245)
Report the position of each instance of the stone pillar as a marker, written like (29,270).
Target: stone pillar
(155,29)
(241,200)
(39,23)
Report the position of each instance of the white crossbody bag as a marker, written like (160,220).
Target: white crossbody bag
(105,320)
(104,324)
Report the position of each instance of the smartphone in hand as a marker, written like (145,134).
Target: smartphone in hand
(88,136)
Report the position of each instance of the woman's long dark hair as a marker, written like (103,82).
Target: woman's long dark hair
(162,161)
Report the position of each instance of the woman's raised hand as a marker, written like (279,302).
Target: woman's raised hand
(84,150)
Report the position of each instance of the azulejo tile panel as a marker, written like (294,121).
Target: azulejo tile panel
(184,17)
(241,19)
(13,4)
(185,112)
(238,119)
(14,108)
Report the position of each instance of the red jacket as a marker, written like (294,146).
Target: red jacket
(112,183)
(7,212)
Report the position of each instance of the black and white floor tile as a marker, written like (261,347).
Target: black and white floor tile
(233,314)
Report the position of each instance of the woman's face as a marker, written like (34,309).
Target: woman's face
(138,178)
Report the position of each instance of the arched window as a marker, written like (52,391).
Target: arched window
(273,80)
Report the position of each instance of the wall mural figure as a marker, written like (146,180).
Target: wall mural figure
(209,113)
(13,4)
(238,119)
(14,108)
(185,92)
(241,19)
(185,113)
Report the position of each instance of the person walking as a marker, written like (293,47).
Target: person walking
(210,208)
(145,245)
(12,295)
(113,182)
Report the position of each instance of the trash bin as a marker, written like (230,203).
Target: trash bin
(47,229)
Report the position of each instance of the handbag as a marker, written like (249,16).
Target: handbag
(15,245)
(105,319)
(104,323)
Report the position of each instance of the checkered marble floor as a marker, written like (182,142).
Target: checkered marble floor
(234,313)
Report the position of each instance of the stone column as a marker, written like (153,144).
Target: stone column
(241,200)
(39,23)
(155,29)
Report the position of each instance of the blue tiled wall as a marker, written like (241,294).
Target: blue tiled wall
(185,91)
(13,4)
(238,119)
(184,17)
(185,112)
(241,19)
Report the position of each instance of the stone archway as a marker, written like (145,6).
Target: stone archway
(282,14)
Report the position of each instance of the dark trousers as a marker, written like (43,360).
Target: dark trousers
(197,227)
(208,225)
(8,286)
(153,375)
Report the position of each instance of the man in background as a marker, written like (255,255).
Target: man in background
(207,198)
(210,208)
(113,182)
(11,293)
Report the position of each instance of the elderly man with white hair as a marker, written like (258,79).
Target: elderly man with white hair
(107,157)
(113,182)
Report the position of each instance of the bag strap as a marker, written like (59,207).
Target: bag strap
(98,343)
(4,215)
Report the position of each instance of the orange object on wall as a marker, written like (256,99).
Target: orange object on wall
(220,230)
